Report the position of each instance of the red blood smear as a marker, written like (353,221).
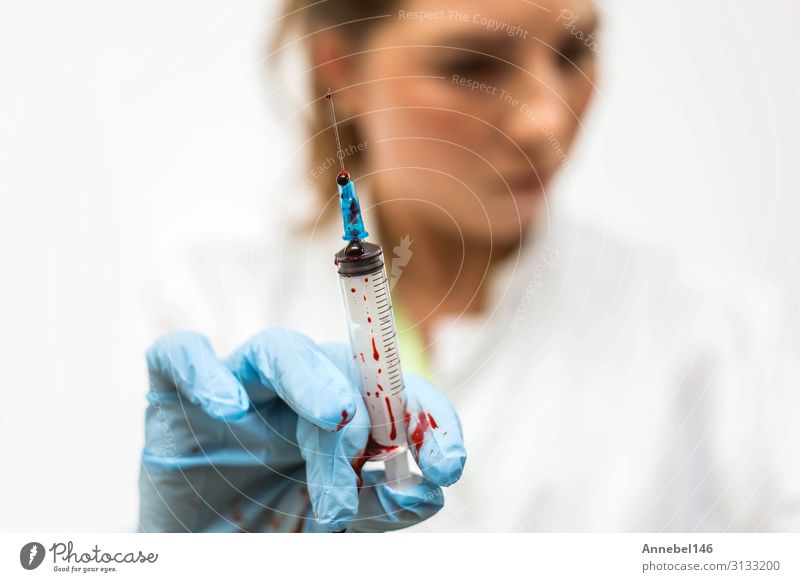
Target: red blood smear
(379,370)
(377,395)
(353,289)
(368,394)
(381,387)
(373,449)
(335,261)
(393,434)
(369,319)
(299,527)
(274,520)
(366,279)
(342,422)
(433,422)
(236,513)
(362,357)
(365,297)
(418,436)
(328,95)
(375,353)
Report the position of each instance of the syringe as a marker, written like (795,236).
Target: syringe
(373,338)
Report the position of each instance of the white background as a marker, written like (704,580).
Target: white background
(116,117)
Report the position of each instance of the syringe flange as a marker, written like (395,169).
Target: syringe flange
(369,261)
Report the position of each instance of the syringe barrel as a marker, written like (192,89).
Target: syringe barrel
(373,341)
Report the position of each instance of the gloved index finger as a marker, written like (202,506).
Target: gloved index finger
(434,432)
(288,364)
(185,361)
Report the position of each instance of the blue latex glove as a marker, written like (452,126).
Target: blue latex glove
(271,439)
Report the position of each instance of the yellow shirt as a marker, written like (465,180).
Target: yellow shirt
(414,358)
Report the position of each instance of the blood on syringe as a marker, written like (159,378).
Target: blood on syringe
(425,422)
(373,449)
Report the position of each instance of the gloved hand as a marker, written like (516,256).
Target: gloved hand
(272,439)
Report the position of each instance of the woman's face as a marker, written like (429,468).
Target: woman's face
(468,109)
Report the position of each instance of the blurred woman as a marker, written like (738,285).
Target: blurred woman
(597,388)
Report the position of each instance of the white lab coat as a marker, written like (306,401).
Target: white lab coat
(603,391)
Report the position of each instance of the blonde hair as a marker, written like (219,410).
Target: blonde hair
(302,20)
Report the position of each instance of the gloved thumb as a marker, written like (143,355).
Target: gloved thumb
(382,507)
